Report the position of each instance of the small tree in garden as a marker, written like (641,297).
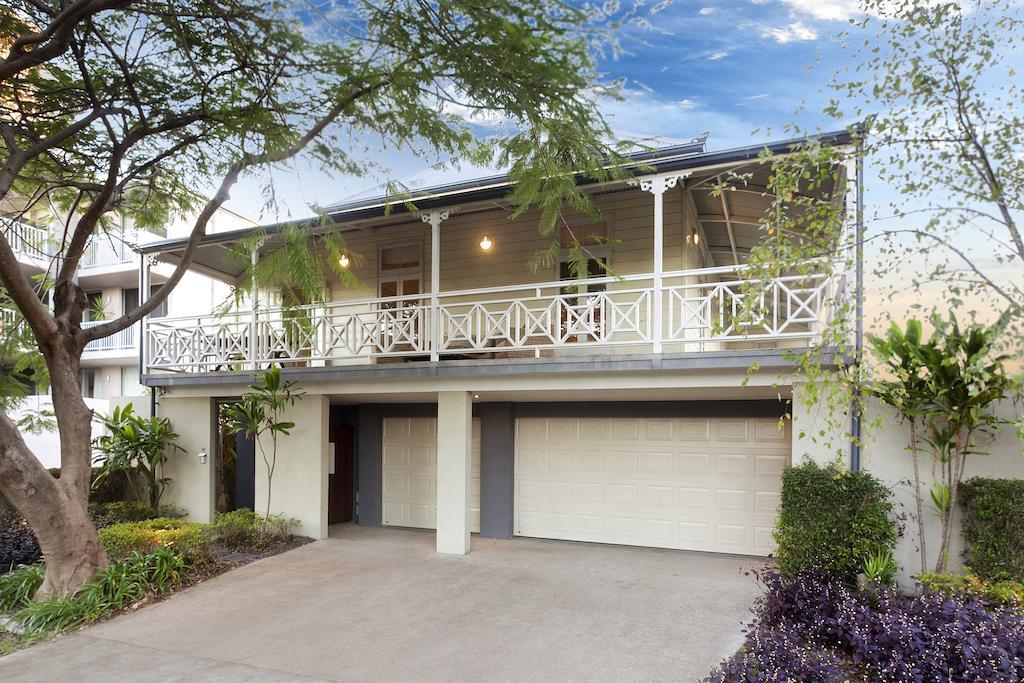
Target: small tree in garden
(258,414)
(906,392)
(966,381)
(135,445)
(947,389)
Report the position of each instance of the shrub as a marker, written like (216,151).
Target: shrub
(188,539)
(993,524)
(115,512)
(832,520)
(995,593)
(243,529)
(18,544)
(118,585)
(19,585)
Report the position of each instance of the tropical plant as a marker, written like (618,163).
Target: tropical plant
(905,389)
(135,444)
(947,388)
(258,414)
(966,380)
(120,111)
(880,567)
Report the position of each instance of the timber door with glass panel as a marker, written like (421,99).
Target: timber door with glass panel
(583,317)
(400,274)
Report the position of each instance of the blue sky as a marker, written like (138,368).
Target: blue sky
(738,69)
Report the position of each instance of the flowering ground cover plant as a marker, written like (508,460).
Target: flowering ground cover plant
(809,628)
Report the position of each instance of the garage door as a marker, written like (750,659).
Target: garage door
(693,484)
(409,450)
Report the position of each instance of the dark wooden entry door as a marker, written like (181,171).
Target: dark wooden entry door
(340,483)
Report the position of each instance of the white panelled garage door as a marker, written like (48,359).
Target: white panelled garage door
(409,450)
(687,483)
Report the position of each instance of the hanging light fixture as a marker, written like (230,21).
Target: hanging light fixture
(486,243)
(344,261)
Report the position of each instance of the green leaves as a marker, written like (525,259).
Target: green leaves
(134,444)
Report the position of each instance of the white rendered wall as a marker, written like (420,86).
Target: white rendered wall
(192,482)
(299,489)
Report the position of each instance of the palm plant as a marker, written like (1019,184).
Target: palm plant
(258,413)
(135,444)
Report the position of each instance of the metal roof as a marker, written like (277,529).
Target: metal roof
(215,258)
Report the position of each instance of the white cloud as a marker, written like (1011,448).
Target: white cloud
(715,56)
(687,104)
(707,11)
(752,98)
(791,33)
(826,10)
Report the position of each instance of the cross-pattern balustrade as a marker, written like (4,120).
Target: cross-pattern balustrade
(701,309)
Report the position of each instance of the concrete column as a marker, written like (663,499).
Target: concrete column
(299,487)
(369,454)
(193,483)
(454,452)
(497,470)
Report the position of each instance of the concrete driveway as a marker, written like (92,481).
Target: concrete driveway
(379,604)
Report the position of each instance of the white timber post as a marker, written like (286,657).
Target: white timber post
(454,464)
(656,185)
(435,218)
(145,263)
(254,258)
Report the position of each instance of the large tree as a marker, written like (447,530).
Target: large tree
(125,107)
(933,93)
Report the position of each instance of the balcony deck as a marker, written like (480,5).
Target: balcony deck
(701,311)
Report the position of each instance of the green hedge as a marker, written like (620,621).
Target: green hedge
(188,539)
(993,526)
(830,520)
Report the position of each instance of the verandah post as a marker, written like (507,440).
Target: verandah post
(657,185)
(435,218)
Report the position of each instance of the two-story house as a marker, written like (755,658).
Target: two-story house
(460,391)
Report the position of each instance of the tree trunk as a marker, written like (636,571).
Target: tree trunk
(917,496)
(57,510)
(59,518)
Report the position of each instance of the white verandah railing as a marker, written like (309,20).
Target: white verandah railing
(701,310)
(122,340)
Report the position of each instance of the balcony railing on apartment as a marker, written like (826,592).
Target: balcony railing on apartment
(39,243)
(700,310)
(103,252)
(26,239)
(125,340)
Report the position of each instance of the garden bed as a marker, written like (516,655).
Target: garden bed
(151,559)
(810,628)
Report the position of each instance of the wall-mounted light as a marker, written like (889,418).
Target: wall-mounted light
(344,261)
(476,395)
(202,456)
(486,243)
(696,238)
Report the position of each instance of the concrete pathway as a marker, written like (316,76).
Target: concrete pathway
(379,604)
